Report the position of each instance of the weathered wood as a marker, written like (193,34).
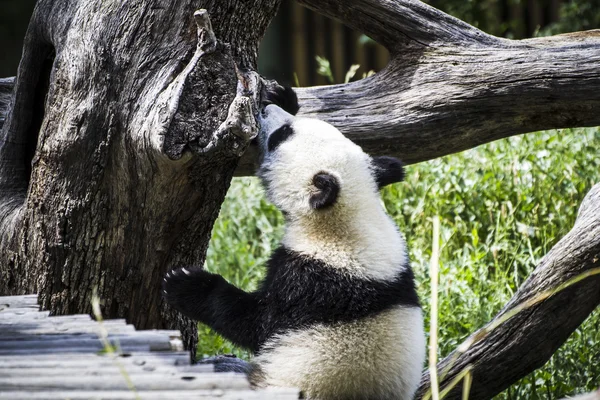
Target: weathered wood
(36,364)
(18,309)
(526,341)
(33,316)
(83,349)
(179,358)
(6,87)
(24,329)
(449,86)
(112,370)
(26,299)
(60,325)
(157,342)
(149,381)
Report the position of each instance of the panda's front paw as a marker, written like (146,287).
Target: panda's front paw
(186,289)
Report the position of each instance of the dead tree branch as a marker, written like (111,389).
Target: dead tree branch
(449,86)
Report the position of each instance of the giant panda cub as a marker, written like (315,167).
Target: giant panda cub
(337,314)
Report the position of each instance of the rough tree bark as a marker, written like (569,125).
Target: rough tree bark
(113,159)
(118,149)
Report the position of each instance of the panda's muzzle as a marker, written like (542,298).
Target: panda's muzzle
(275,128)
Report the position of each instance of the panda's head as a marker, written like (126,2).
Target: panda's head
(309,168)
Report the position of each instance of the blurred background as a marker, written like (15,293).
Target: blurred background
(502,205)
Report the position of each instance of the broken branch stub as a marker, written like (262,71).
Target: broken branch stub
(176,115)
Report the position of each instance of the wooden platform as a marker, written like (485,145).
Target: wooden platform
(63,357)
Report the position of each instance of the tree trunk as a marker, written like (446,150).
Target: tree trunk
(106,178)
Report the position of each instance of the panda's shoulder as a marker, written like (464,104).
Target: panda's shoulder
(286,263)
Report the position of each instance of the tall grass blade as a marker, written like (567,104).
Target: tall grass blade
(433,325)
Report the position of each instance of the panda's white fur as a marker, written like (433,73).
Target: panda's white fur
(337,314)
(356,233)
(379,357)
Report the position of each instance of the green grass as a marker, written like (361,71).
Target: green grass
(502,207)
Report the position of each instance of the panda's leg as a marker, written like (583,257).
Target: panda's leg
(228,363)
(210,299)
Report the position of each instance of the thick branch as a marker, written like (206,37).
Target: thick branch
(432,102)
(450,87)
(526,341)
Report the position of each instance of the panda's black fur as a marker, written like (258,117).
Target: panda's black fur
(299,291)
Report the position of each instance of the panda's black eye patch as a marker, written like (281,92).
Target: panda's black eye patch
(279,136)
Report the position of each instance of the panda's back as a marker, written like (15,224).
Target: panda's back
(338,336)
(377,357)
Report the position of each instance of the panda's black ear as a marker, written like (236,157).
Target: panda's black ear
(282,96)
(328,189)
(387,170)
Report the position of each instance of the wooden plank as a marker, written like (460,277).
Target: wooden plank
(150,336)
(57,321)
(266,394)
(74,349)
(10,318)
(31,314)
(23,299)
(6,308)
(52,329)
(155,342)
(184,381)
(59,357)
(112,369)
(139,358)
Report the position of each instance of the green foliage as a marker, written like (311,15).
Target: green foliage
(244,235)
(324,68)
(483,14)
(502,207)
(576,15)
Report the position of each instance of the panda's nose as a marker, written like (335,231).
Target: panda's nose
(270,110)
(271,118)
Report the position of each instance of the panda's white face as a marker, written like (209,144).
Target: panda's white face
(327,187)
(310,169)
